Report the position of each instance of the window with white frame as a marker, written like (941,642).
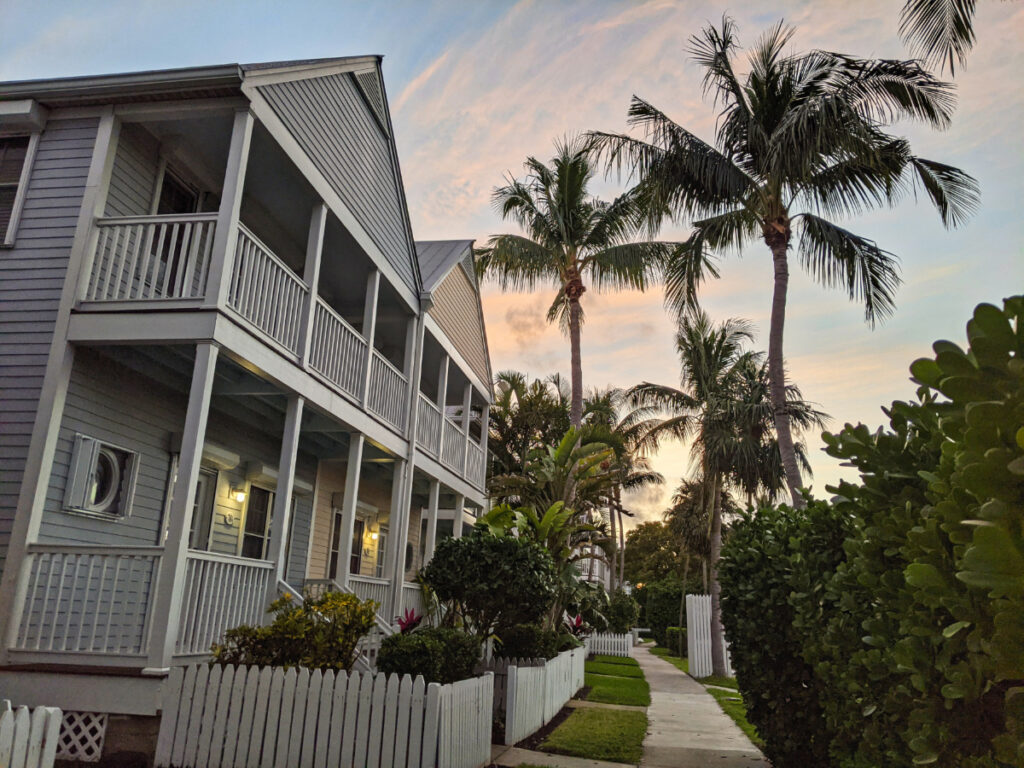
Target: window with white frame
(15,160)
(101,478)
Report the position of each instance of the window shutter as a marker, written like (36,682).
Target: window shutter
(83,459)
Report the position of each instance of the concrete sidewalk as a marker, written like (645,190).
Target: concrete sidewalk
(686,727)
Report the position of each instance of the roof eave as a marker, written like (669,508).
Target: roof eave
(136,83)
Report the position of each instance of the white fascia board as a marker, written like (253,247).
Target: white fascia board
(456,357)
(269,119)
(306,71)
(22,116)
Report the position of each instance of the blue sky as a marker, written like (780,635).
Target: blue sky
(476,87)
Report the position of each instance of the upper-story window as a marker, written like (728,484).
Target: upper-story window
(13,152)
(176,195)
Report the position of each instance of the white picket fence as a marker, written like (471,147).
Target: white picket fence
(698,636)
(28,739)
(534,695)
(609,644)
(248,717)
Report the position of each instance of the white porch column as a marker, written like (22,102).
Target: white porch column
(442,384)
(165,610)
(431,537)
(348,507)
(370,329)
(222,257)
(467,415)
(398,525)
(311,276)
(279,521)
(460,503)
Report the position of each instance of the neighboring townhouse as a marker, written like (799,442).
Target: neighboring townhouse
(227,370)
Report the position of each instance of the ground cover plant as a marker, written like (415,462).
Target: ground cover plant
(615,670)
(600,734)
(625,661)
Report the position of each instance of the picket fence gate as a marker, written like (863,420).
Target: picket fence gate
(698,637)
(609,644)
(28,739)
(534,695)
(252,717)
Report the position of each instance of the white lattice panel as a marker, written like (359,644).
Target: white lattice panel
(81,736)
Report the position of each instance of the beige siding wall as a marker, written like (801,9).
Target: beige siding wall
(456,310)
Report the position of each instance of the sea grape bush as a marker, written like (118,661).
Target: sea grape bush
(915,639)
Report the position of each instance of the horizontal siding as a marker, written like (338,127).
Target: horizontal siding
(332,123)
(456,309)
(31,282)
(133,178)
(113,403)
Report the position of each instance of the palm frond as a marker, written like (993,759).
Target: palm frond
(838,258)
(939,31)
(956,194)
(518,263)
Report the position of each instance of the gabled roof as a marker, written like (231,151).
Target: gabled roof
(437,257)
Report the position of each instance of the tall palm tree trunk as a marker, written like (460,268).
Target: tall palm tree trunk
(573,290)
(778,241)
(682,599)
(613,565)
(717,634)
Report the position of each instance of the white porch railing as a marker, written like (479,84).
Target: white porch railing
(475,464)
(453,445)
(388,391)
(88,599)
(266,292)
(412,598)
(428,428)
(142,258)
(371,588)
(337,350)
(221,592)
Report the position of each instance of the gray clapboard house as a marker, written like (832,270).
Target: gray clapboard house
(227,370)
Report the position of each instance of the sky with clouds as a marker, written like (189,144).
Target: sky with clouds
(477,87)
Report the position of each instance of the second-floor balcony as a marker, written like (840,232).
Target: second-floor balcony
(161,262)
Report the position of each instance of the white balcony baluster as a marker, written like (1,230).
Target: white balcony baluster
(453,445)
(337,350)
(86,599)
(428,431)
(150,258)
(266,292)
(220,592)
(388,387)
(475,464)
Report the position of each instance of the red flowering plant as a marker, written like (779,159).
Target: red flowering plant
(408,621)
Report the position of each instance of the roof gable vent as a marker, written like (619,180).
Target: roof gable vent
(369,84)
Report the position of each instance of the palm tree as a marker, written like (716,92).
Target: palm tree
(570,239)
(800,141)
(718,412)
(607,420)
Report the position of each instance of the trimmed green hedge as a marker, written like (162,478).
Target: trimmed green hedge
(907,642)
(675,640)
(440,654)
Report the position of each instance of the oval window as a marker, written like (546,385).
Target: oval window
(105,481)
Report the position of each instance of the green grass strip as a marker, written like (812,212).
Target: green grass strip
(625,661)
(600,734)
(615,670)
(618,690)
(732,704)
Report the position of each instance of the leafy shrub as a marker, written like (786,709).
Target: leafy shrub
(440,654)
(622,612)
(590,603)
(527,641)
(937,579)
(675,640)
(769,556)
(661,601)
(484,581)
(320,633)
(913,643)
